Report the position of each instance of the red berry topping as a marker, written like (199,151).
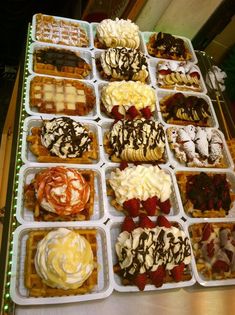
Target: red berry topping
(116,113)
(177,272)
(128,224)
(123,165)
(150,205)
(206,232)
(220,266)
(140,281)
(210,249)
(133,112)
(195,74)
(146,112)
(162,221)
(145,222)
(164,72)
(132,206)
(158,276)
(165,206)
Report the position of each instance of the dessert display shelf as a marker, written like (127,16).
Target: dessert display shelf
(106,213)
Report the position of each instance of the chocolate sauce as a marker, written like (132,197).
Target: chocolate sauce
(170,45)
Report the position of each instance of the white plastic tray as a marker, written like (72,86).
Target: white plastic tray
(19,292)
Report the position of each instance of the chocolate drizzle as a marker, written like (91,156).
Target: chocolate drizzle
(170,45)
(65,137)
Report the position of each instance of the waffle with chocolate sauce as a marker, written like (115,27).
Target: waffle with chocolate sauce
(140,140)
(60,62)
(61,96)
(59,31)
(179,109)
(62,140)
(163,45)
(35,284)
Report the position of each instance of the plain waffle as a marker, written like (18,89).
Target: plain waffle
(34,283)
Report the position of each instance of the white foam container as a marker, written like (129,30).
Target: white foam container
(175,211)
(187,42)
(198,276)
(153,72)
(212,121)
(93,114)
(106,126)
(175,163)
(115,230)
(86,54)
(230,175)
(27,174)
(19,292)
(83,24)
(35,121)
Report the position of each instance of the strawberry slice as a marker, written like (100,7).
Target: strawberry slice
(133,112)
(150,205)
(145,222)
(210,249)
(158,276)
(128,224)
(177,272)
(116,113)
(164,72)
(123,165)
(165,206)
(146,112)
(220,266)
(206,232)
(162,221)
(195,74)
(140,281)
(132,206)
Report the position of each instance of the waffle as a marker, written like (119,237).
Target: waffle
(59,31)
(178,109)
(34,283)
(231,146)
(55,96)
(40,214)
(204,266)
(207,202)
(163,45)
(43,154)
(60,62)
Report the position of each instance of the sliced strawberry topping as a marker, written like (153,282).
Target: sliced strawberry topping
(206,232)
(162,221)
(123,165)
(145,222)
(150,205)
(165,206)
(132,206)
(164,72)
(116,113)
(128,224)
(177,272)
(220,266)
(195,74)
(158,276)
(210,249)
(140,281)
(133,112)
(146,112)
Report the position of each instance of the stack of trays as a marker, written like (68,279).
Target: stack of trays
(67,86)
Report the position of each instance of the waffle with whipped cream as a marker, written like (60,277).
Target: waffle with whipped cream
(60,62)
(117,33)
(34,283)
(213,245)
(182,76)
(167,46)
(63,140)
(135,140)
(180,109)
(59,31)
(205,195)
(122,64)
(196,146)
(47,199)
(61,96)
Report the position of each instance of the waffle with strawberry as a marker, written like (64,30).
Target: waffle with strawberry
(152,253)
(152,195)
(205,195)
(213,245)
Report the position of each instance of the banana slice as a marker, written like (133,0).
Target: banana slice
(184,78)
(178,77)
(173,77)
(168,80)
(196,81)
(190,79)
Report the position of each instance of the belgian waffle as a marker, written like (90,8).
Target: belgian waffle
(59,31)
(30,202)
(58,96)
(60,62)
(43,154)
(218,249)
(231,146)
(34,283)
(209,202)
